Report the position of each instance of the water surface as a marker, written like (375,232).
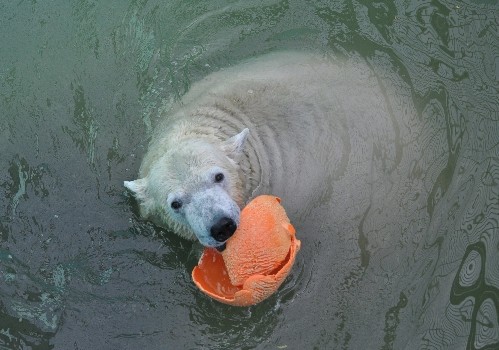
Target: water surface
(81,85)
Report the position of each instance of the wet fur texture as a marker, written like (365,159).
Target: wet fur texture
(274,125)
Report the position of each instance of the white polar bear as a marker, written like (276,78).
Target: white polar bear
(273,125)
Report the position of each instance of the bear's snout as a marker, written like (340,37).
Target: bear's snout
(223,229)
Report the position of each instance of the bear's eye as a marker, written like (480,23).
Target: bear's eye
(176,205)
(219,177)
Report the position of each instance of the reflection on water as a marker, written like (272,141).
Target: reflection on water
(480,307)
(410,260)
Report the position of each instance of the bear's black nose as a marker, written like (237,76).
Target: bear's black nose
(223,229)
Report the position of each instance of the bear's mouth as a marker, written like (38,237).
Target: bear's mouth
(221,248)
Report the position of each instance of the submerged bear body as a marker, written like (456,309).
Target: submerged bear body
(286,124)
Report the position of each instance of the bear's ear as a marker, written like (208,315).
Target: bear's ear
(138,188)
(234,146)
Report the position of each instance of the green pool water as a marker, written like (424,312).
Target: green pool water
(81,86)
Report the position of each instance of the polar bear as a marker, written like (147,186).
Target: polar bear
(273,125)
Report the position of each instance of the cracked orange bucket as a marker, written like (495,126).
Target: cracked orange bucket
(256,260)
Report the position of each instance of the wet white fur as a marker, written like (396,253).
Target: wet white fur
(185,172)
(295,107)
